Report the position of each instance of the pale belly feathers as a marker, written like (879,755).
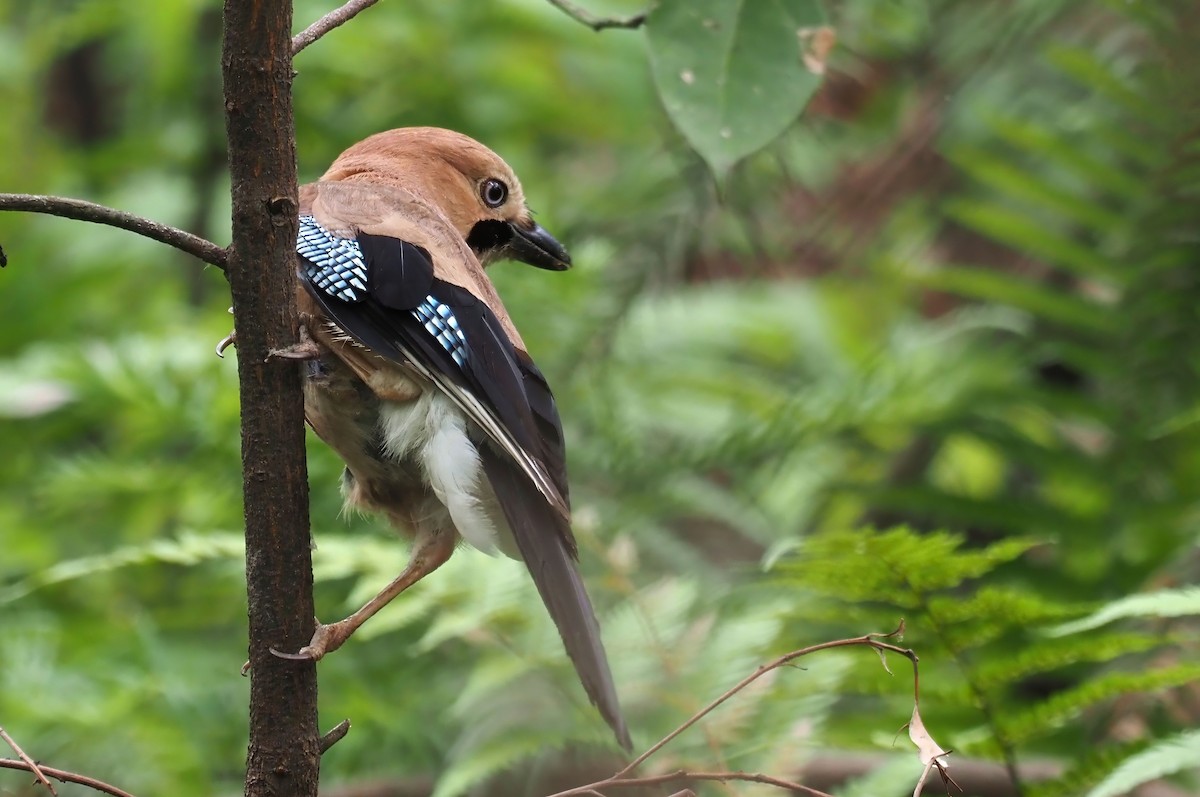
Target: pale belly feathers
(414,460)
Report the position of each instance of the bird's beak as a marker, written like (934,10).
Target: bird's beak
(538,248)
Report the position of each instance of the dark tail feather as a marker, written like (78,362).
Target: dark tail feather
(542,538)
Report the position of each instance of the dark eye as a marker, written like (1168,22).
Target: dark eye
(493,193)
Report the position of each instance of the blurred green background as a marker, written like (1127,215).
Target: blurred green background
(931,354)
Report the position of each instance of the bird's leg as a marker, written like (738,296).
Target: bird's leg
(306,349)
(430,551)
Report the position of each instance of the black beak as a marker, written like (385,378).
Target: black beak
(538,248)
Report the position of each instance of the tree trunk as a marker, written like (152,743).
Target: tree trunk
(283,757)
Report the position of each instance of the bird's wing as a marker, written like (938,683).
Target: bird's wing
(384,293)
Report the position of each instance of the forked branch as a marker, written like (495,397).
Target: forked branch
(29,762)
(65,776)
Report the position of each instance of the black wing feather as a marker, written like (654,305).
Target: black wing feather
(545,413)
(406,280)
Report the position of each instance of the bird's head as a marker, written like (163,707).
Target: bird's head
(476,190)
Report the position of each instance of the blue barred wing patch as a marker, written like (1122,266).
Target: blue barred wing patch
(333,264)
(439,321)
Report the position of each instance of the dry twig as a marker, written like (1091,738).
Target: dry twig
(33,767)
(596,23)
(624,779)
(65,776)
(333,19)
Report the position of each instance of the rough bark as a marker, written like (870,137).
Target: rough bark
(283,755)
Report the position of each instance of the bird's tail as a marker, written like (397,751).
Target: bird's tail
(542,536)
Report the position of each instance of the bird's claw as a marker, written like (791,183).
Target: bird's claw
(326,639)
(222,345)
(306,349)
(226,342)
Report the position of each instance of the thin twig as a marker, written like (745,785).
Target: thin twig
(328,22)
(622,778)
(598,23)
(79,210)
(335,735)
(33,767)
(686,775)
(869,640)
(66,777)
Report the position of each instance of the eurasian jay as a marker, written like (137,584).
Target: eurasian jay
(418,379)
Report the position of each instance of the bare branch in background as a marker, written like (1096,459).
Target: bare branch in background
(598,23)
(33,767)
(79,210)
(65,776)
(624,779)
(328,22)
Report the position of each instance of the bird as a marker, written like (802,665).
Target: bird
(419,380)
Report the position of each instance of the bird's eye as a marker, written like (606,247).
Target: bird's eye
(493,193)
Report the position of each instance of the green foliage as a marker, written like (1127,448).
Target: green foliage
(1167,757)
(981,647)
(956,303)
(1165,603)
(733,76)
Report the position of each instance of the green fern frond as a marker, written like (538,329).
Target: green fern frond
(1022,231)
(1165,603)
(1092,72)
(1169,756)
(1069,704)
(1043,301)
(974,620)
(502,753)
(898,566)
(996,672)
(1086,770)
(186,549)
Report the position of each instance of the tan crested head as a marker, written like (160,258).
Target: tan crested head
(473,186)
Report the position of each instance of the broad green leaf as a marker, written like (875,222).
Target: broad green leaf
(734,75)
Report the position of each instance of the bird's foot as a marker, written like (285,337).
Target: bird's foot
(326,639)
(306,349)
(226,342)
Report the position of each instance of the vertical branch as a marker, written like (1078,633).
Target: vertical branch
(283,755)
